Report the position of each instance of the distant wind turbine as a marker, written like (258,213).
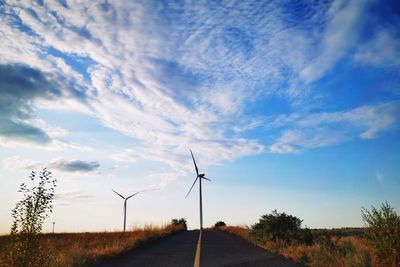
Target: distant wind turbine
(201,176)
(125,204)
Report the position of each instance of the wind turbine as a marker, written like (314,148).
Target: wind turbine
(125,204)
(199,177)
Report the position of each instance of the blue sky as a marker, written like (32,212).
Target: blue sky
(288,105)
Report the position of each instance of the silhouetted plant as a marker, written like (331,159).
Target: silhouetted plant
(219,224)
(306,237)
(280,227)
(181,221)
(28,218)
(384,231)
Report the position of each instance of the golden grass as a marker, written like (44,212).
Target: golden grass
(338,252)
(80,249)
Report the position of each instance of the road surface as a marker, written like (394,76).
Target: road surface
(216,248)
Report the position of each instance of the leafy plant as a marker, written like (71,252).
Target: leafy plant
(28,218)
(181,221)
(280,227)
(219,224)
(384,231)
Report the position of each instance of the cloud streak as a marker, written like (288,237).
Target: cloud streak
(329,128)
(175,77)
(73,165)
(20,163)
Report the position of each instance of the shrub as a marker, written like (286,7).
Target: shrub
(280,227)
(384,231)
(181,221)
(29,215)
(219,224)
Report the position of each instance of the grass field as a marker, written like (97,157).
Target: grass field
(339,247)
(80,249)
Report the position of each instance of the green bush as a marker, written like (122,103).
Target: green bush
(281,227)
(219,224)
(384,231)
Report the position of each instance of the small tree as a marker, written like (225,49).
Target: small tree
(278,227)
(384,231)
(29,215)
(219,224)
(181,221)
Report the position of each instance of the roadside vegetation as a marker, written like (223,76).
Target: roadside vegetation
(179,222)
(26,246)
(219,224)
(81,249)
(375,245)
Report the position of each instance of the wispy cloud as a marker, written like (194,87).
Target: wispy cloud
(73,165)
(382,50)
(340,35)
(20,163)
(175,77)
(328,128)
(71,197)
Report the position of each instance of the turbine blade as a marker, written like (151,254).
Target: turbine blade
(118,193)
(192,186)
(132,195)
(197,170)
(206,178)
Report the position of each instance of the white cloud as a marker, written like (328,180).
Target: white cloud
(53,145)
(340,35)
(329,128)
(382,50)
(19,163)
(174,83)
(159,180)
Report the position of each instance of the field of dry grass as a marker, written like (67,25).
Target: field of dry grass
(80,249)
(333,251)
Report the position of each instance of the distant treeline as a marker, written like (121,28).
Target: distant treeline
(340,232)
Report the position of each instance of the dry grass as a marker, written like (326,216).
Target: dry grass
(334,251)
(80,249)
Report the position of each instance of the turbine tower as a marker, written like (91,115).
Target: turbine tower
(125,204)
(199,177)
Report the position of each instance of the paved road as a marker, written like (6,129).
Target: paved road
(177,250)
(223,249)
(217,249)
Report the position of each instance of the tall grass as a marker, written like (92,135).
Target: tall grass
(324,252)
(80,249)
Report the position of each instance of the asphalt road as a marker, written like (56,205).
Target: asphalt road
(217,249)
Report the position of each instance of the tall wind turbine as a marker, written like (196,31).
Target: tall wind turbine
(125,204)
(199,177)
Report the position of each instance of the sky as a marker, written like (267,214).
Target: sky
(287,105)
